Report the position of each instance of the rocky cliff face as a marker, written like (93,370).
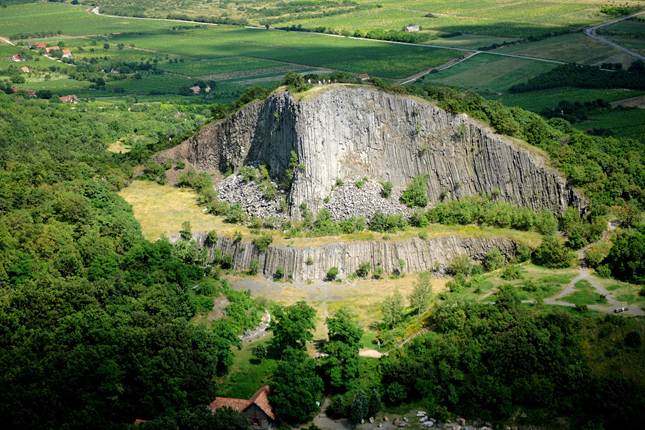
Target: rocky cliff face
(418,255)
(345,131)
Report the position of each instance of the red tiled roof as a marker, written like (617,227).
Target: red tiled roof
(67,99)
(235,404)
(40,45)
(52,48)
(67,51)
(138,421)
(24,69)
(260,399)
(364,76)
(16,57)
(15,90)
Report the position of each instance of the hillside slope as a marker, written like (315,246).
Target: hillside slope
(344,131)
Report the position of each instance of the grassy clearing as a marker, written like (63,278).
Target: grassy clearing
(248,373)
(585,294)
(623,291)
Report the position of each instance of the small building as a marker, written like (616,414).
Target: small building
(67,53)
(52,48)
(69,99)
(24,69)
(195,89)
(14,89)
(17,58)
(208,88)
(412,28)
(257,409)
(33,93)
(364,76)
(115,71)
(36,45)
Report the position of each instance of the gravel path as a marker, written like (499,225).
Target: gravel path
(590,33)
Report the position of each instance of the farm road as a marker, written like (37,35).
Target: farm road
(590,33)
(6,41)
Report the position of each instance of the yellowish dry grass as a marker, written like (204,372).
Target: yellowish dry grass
(162,209)
(118,147)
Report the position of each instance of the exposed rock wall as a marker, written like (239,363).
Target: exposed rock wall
(419,255)
(344,131)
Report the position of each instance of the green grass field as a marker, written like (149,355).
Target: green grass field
(627,123)
(489,72)
(537,100)
(585,294)
(211,67)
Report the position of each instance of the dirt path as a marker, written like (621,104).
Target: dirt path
(7,41)
(584,274)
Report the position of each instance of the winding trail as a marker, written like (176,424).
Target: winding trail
(590,33)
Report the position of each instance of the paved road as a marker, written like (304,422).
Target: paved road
(590,33)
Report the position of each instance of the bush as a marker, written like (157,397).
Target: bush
(523,253)
(387,223)
(633,340)
(387,189)
(332,273)
(460,265)
(552,254)
(511,272)
(279,273)
(248,173)
(254,267)
(212,236)
(309,261)
(416,192)
(235,215)
(603,271)
(263,242)
(295,82)
(494,260)
(363,270)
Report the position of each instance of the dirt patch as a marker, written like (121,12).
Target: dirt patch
(638,102)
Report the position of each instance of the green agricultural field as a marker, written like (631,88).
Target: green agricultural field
(537,100)
(627,123)
(489,73)
(359,56)
(469,41)
(75,21)
(211,67)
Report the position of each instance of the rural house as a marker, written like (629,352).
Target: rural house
(67,53)
(257,409)
(195,89)
(37,45)
(25,69)
(52,48)
(364,76)
(69,99)
(411,28)
(33,93)
(17,58)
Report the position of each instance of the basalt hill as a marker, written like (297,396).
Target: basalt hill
(343,131)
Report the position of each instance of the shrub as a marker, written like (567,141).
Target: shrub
(494,260)
(254,267)
(552,254)
(387,223)
(523,253)
(263,242)
(248,173)
(511,272)
(212,236)
(416,192)
(235,215)
(460,265)
(603,271)
(309,261)
(387,189)
(359,184)
(418,218)
(633,339)
(363,270)
(339,182)
(379,272)
(279,273)
(332,273)
(180,164)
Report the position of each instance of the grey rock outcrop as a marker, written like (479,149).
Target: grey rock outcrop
(419,255)
(345,131)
